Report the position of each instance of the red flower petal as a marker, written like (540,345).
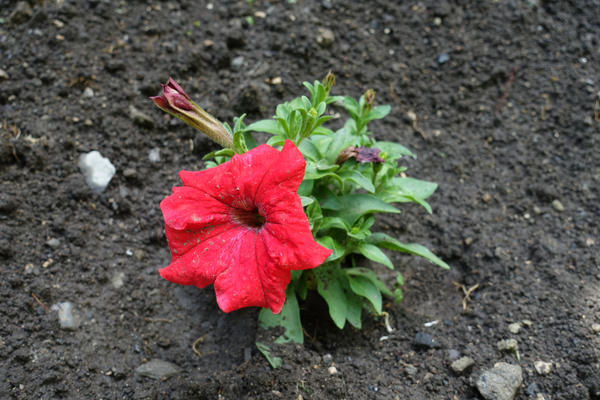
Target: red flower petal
(241,226)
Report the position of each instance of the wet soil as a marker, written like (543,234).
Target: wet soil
(499,100)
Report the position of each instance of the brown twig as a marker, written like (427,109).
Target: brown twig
(467,292)
(45,307)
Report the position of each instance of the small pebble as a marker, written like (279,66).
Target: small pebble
(140,118)
(325,37)
(462,364)
(3,74)
(558,206)
(515,327)
(527,323)
(542,367)
(332,370)
(486,197)
(510,345)
(410,370)
(118,279)
(67,319)
(237,63)
(596,328)
(88,92)
(453,354)
(327,359)
(425,341)
(443,58)
(501,382)
(139,254)
(129,173)
(54,243)
(97,170)
(437,21)
(154,155)
(158,369)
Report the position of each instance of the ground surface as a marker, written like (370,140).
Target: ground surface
(505,122)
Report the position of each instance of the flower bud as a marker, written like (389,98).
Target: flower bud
(329,81)
(369,99)
(177,103)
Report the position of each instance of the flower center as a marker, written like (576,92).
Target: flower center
(251,218)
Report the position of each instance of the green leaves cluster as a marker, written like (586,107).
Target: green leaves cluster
(341,198)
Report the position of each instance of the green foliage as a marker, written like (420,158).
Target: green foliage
(341,197)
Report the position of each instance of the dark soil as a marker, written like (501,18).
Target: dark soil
(507,122)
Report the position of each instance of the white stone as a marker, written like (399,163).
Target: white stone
(332,370)
(542,367)
(97,170)
(154,155)
(66,318)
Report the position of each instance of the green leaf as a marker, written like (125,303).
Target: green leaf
(338,250)
(365,288)
(309,150)
(378,112)
(403,190)
(370,275)
(393,151)
(354,305)
(220,152)
(306,187)
(355,176)
(353,206)
(288,318)
(373,253)
(329,286)
(306,200)
(265,125)
(387,242)
(275,362)
(333,222)
(276,140)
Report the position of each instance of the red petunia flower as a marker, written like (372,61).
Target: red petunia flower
(241,227)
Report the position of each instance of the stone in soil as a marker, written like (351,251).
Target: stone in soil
(325,37)
(67,319)
(542,367)
(508,345)
(97,170)
(154,155)
(158,369)
(462,364)
(140,118)
(501,382)
(425,341)
(514,327)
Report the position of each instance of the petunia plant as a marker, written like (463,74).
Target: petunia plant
(268,224)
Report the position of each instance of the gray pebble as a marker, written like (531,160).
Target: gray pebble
(88,92)
(514,327)
(410,370)
(54,243)
(154,155)
(510,345)
(425,341)
(462,364)
(325,37)
(443,58)
(118,279)
(237,63)
(500,382)
(158,369)
(558,206)
(3,74)
(453,354)
(140,118)
(327,359)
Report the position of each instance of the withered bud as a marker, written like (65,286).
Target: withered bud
(368,154)
(345,154)
(329,81)
(369,99)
